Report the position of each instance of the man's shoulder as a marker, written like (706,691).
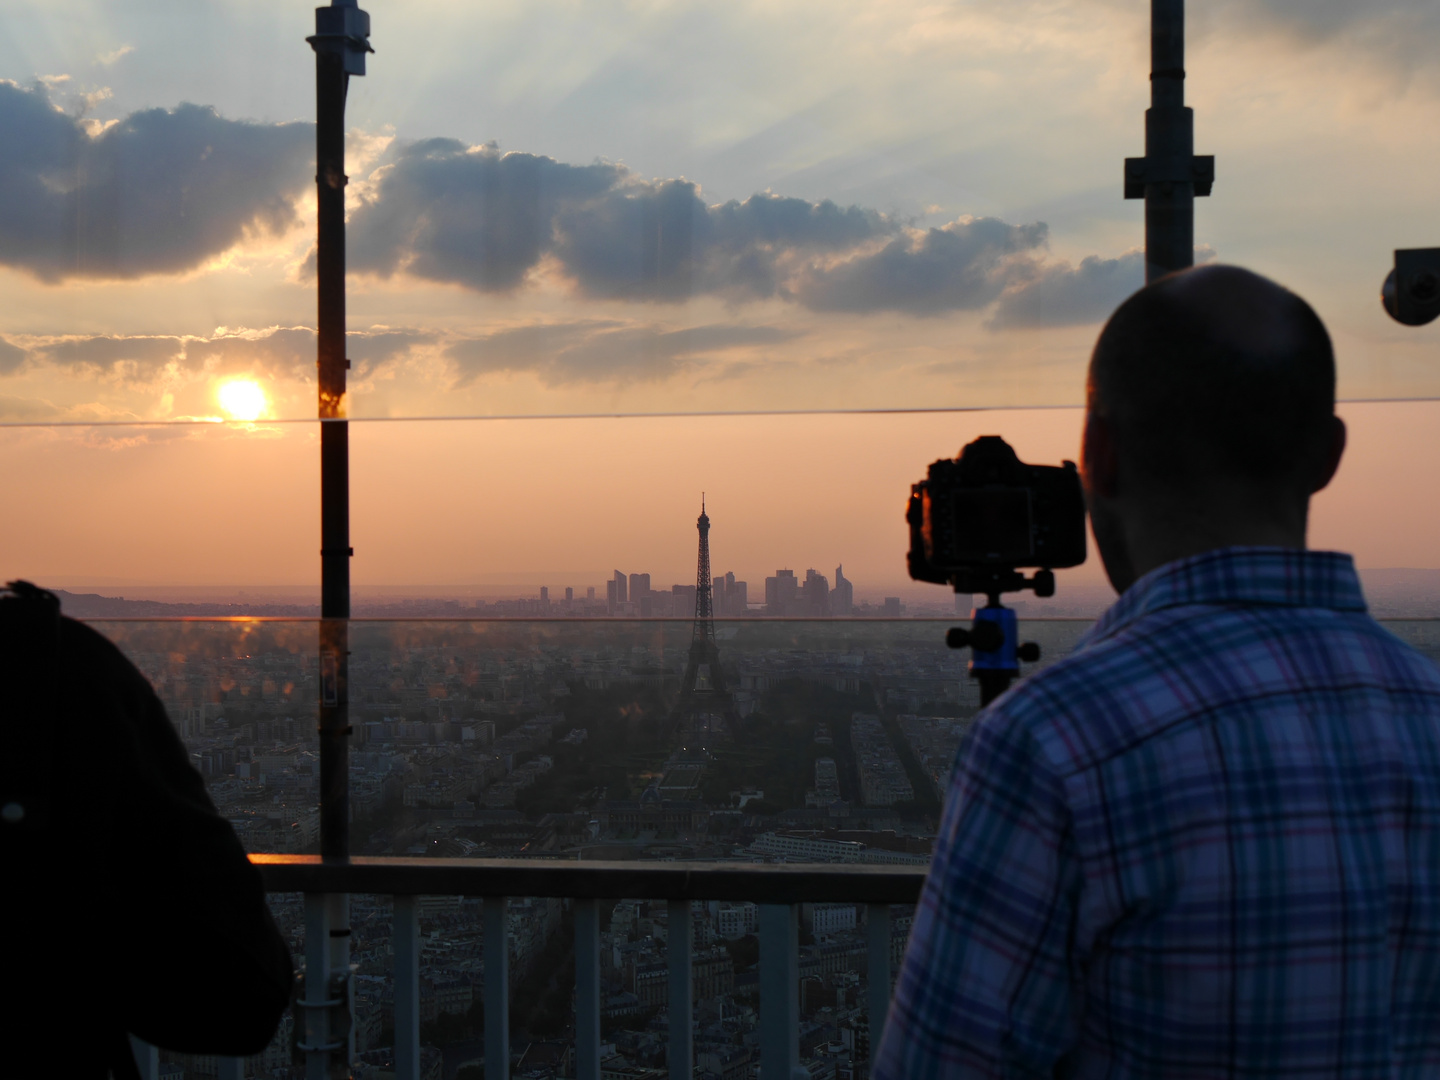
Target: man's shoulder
(1182,663)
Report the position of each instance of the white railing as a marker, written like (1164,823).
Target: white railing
(777,889)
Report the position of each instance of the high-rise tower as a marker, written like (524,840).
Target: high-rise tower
(704,701)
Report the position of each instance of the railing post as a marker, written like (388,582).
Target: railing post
(407,988)
(587,990)
(497,989)
(681,1008)
(323,913)
(877,928)
(779,992)
(147,1058)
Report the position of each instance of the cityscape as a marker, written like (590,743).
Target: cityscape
(824,739)
(793,734)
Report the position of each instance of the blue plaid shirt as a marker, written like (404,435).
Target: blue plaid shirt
(1205,844)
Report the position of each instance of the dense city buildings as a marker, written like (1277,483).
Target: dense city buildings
(531,736)
(547,740)
(882,776)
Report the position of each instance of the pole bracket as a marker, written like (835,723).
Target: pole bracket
(1143,171)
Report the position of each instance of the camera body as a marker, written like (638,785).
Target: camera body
(975,521)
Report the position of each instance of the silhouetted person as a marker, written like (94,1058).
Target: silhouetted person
(1207,844)
(127,903)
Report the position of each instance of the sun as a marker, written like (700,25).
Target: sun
(242,399)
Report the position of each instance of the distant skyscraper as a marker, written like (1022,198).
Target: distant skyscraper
(639,587)
(781,593)
(737,592)
(544,594)
(622,591)
(570,594)
(815,595)
(590,592)
(730,595)
(842,599)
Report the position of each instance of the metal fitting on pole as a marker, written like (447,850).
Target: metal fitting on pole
(1170,175)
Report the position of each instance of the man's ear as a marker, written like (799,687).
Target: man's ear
(1099,457)
(1333,453)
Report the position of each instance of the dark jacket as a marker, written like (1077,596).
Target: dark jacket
(127,903)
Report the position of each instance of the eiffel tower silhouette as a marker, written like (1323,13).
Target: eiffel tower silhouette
(705,705)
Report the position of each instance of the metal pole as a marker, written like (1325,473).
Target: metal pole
(340,42)
(330,85)
(1170,175)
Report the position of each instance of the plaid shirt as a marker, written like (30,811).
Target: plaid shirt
(1205,844)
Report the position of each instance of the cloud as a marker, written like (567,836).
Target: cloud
(468,216)
(139,353)
(285,351)
(1407,31)
(11,357)
(962,266)
(487,221)
(474,217)
(590,351)
(17,410)
(160,191)
(105,59)
(1063,294)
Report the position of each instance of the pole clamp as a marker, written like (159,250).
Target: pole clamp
(1143,171)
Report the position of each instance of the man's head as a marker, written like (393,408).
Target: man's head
(1210,420)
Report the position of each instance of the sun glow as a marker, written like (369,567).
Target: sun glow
(242,399)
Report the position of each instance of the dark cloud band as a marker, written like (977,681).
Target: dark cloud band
(158,192)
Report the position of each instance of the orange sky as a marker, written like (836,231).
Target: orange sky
(564,502)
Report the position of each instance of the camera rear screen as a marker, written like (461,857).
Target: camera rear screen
(993,525)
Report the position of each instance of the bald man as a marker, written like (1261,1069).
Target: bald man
(1207,843)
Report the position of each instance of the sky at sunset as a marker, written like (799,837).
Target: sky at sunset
(600,208)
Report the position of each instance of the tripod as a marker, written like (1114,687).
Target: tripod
(993,636)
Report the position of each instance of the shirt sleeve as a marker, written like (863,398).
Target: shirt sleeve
(989,986)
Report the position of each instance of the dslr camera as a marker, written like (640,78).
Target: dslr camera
(975,524)
(976,521)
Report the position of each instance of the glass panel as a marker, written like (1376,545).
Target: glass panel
(459,512)
(562,208)
(566,735)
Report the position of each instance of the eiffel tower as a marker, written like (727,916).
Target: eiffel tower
(705,705)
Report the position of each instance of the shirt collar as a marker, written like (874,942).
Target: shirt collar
(1274,576)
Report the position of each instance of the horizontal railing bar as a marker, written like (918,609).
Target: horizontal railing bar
(770,883)
(574,620)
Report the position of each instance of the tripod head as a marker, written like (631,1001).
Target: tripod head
(995,649)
